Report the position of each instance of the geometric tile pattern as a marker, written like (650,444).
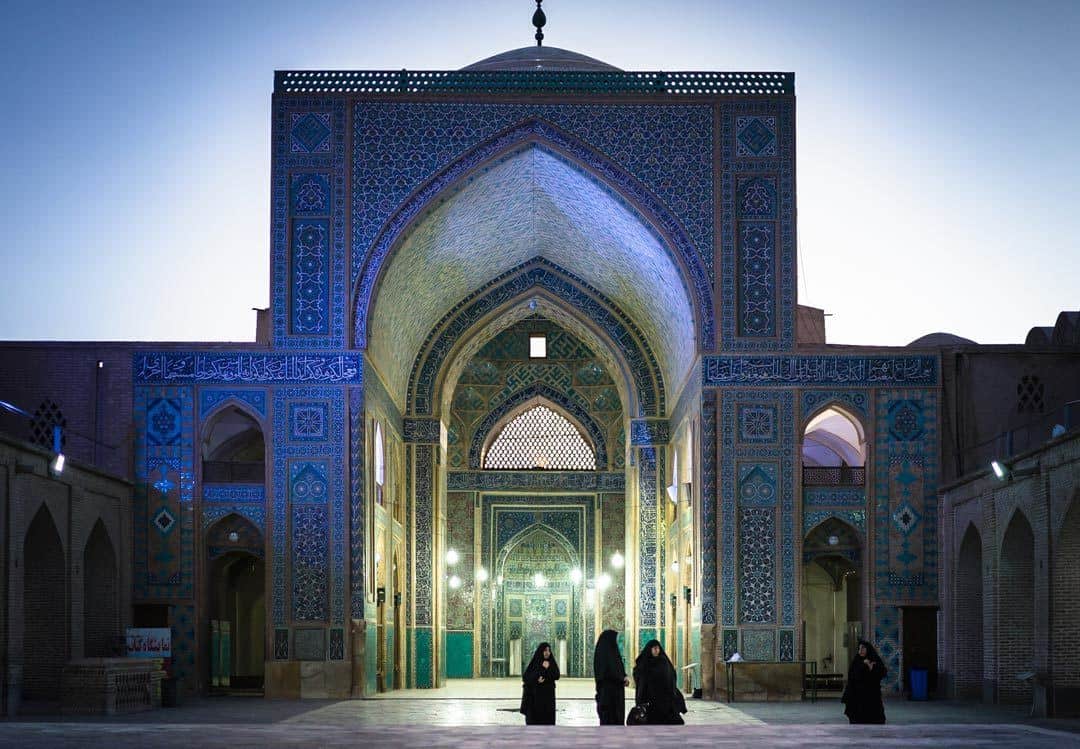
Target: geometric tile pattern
(827,369)
(400,147)
(308,422)
(710,500)
(164,491)
(814,518)
(824,496)
(757,424)
(757,279)
(756,136)
(566,481)
(787,645)
(309,267)
(759,645)
(649,432)
(767,471)
(309,498)
(357,506)
(905,491)
(757,565)
(757,260)
(650,466)
(311,277)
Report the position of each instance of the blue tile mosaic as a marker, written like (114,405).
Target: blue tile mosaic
(649,432)
(210,399)
(757,424)
(757,279)
(309,422)
(423,148)
(756,136)
(569,481)
(310,287)
(855,401)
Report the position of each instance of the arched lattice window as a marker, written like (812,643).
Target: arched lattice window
(540,439)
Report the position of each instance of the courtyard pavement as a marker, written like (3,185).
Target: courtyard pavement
(444,718)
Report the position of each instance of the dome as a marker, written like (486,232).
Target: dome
(539,58)
(935,340)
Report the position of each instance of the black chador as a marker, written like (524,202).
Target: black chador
(611,681)
(538,688)
(862,693)
(655,687)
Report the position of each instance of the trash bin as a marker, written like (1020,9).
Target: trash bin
(919,678)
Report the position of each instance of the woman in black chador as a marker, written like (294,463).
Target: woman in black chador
(610,675)
(654,682)
(862,693)
(538,697)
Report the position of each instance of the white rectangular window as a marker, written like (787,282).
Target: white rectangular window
(538,346)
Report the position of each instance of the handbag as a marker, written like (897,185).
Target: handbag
(638,715)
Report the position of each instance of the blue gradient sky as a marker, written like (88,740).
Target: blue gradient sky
(938,155)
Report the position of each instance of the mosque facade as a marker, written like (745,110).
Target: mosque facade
(533,367)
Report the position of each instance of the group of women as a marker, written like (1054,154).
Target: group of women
(657,699)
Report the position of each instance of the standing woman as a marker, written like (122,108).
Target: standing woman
(538,700)
(654,683)
(611,680)
(862,693)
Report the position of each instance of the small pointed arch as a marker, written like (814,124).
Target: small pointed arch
(233,446)
(45,596)
(833,437)
(233,532)
(968,609)
(537,535)
(535,132)
(834,534)
(538,428)
(101,594)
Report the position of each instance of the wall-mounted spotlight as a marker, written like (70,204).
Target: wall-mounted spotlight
(1005,472)
(539,581)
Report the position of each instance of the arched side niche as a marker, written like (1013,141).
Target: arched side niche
(45,595)
(233,448)
(101,595)
(1066,589)
(1016,610)
(834,437)
(833,583)
(968,608)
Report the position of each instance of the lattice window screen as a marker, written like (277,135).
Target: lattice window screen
(540,439)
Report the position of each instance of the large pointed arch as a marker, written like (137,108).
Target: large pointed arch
(539,286)
(534,132)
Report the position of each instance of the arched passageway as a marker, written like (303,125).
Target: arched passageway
(1016,610)
(968,607)
(832,595)
(236,584)
(101,596)
(45,642)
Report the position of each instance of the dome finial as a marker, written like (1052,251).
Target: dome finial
(539,19)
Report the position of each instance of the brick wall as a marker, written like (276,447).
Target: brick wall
(44,634)
(1066,597)
(101,621)
(967,663)
(1016,610)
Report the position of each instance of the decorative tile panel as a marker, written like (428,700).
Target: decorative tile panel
(856,401)
(826,369)
(309,422)
(423,431)
(757,424)
(730,643)
(649,467)
(757,279)
(423,560)
(710,501)
(756,136)
(757,565)
(310,560)
(757,484)
(194,368)
(757,197)
(814,518)
(827,496)
(787,645)
(308,181)
(759,645)
(357,508)
(310,287)
(281,644)
(211,398)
